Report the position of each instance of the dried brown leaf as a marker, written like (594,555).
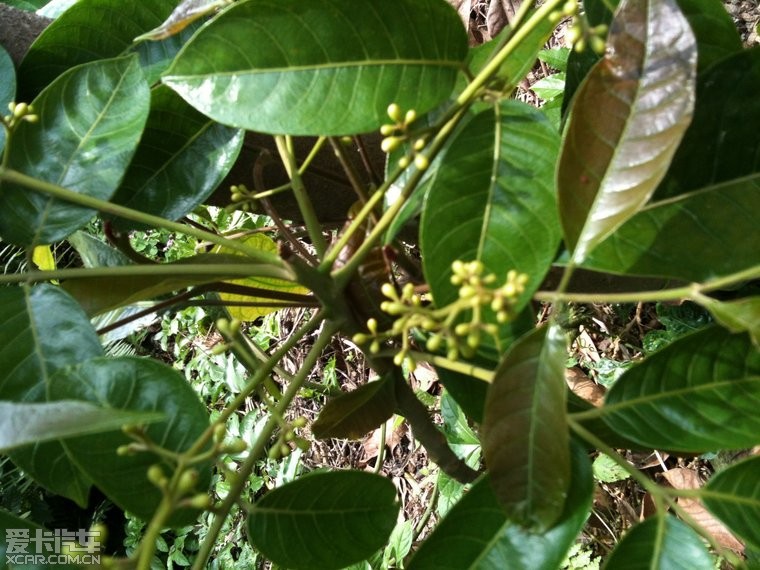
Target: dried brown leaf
(584,387)
(681,478)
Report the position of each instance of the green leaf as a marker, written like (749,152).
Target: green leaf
(477,534)
(25,424)
(99,29)
(28,5)
(733,495)
(721,143)
(7,89)
(736,316)
(29,356)
(607,470)
(688,237)
(91,119)
(326,67)
(660,543)
(627,120)
(717,36)
(526,443)
(700,393)
(95,253)
(493,200)
(324,520)
(136,384)
(182,157)
(354,414)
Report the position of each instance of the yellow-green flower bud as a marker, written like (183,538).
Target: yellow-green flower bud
(462,329)
(156,476)
(453,353)
(429,325)
(284,450)
(299,422)
(20,110)
(274,452)
(421,162)
(410,117)
(390,144)
(387,130)
(200,501)
(407,291)
(597,44)
(302,444)
(456,279)
(394,112)
(187,481)
(419,144)
(570,7)
(398,358)
(31,118)
(434,343)
(372,326)
(458,267)
(473,339)
(374,348)
(403,162)
(491,329)
(573,34)
(389,291)
(237,445)
(360,338)
(467,291)
(125,450)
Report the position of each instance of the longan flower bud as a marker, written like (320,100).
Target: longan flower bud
(403,162)
(410,117)
(421,162)
(237,445)
(398,358)
(419,144)
(473,339)
(187,481)
(200,501)
(394,112)
(387,130)
(389,291)
(374,348)
(302,444)
(299,422)
(570,7)
(434,343)
(597,44)
(156,475)
(453,353)
(372,326)
(390,144)
(360,338)
(19,110)
(573,34)
(462,329)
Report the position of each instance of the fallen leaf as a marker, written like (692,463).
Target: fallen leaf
(681,478)
(584,387)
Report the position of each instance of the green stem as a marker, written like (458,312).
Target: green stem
(477,372)
(675,294)
(313,226)
(214,271)
(152,533)
(105,207)
(519,36)
(243,474)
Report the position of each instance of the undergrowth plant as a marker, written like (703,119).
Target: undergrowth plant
(640,183)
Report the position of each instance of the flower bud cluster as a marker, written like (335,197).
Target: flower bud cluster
(580,33)
(397,132)
(288,435)
(19,112)
(447,330)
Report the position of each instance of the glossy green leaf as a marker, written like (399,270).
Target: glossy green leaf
(717,36)
(324,520)
(99,29)
(493,200)
(736,316)
(526,443)
(100,294)
(700,393)
(721,143)
(29,5)
(24,424)
(354,414)
(326,67)
(137,384)
(626,121)
(29,356)
(477,535)
(7,89)
(91,119)
(181,159)
(660,543)
(733,495)
(688,237)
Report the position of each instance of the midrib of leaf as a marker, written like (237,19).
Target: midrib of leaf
(707,493)
(689,390)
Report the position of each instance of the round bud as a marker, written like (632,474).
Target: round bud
(462,329)
(394,112)
(410,117)
(302,444)
(237,445)
(473,339)
(579,46)
(284,450)
(187,481)
(421,162)
(374,348)
(274,452)
(372,325)
(452,353)
(434,343)
(390,144)
(403,162)
(570,7)
(124,450)
(200,501)
(387,130)
(360,338)
(299,422)
(573,34)
(398,358)
(457,267)
(388,290)
(419,144)
(156,475)
(597,44)
(407,291)
(20,110)
(31,118)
